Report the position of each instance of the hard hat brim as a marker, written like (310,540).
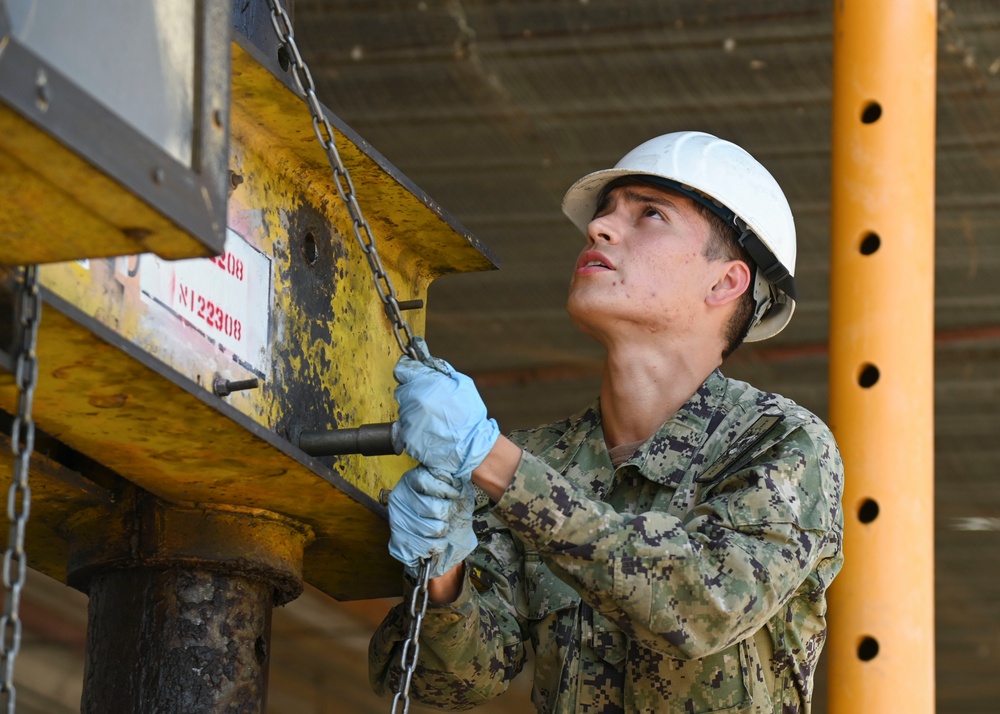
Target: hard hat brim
(580,201)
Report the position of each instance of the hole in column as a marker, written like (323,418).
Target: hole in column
(870,243)
(868,511)
(868,649)
(309,249)
(869,376)
(284,58)
(260,650)
(871,113)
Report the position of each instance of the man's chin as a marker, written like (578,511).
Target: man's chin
(588,315)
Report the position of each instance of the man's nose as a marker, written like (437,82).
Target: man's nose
(604,229)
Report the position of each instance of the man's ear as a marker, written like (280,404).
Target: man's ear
(733,280)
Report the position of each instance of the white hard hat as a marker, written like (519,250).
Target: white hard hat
(734,185)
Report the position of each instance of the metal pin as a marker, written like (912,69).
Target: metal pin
(403,305)
(368,440)
(224,387)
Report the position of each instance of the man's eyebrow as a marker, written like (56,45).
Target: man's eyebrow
(634,195)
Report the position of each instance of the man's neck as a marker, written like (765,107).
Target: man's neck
(642,389)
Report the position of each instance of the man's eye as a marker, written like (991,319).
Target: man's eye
(651,212)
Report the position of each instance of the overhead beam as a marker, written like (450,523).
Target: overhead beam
(131,348)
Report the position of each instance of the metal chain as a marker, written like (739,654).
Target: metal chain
(342,179)
(22,441)
(411,647)
(386,293)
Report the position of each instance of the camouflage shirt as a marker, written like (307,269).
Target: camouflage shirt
(691,578)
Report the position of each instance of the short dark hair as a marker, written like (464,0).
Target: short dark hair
(722,244)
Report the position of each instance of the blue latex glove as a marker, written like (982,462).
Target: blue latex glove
(442,418)
(430,517)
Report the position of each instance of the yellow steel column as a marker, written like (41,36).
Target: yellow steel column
(881,650)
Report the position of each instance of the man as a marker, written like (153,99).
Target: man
(669,547)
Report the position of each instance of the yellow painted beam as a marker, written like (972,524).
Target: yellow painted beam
(129,348)
(881,647)
(47,190)
(84,174)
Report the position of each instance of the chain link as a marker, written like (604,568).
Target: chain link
(411,647)
(386,293)
(342,178)
(22,440)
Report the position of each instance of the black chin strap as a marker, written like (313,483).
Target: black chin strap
(774,272)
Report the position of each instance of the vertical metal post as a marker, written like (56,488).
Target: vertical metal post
(179,618)
(177,640)
(881,647)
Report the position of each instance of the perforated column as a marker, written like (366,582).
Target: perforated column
(881,647)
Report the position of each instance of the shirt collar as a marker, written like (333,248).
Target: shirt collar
(665,457)
(676,446)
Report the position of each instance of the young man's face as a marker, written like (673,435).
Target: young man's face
(643,263)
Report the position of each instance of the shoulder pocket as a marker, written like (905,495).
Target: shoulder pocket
(786,484)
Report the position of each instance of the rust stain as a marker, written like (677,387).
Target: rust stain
(108,401)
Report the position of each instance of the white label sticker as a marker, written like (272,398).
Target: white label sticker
(225,298)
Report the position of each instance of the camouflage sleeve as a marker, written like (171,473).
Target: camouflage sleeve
(470,649)
(693,586)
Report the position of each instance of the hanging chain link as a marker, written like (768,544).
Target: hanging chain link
(411,647)
(22,440)
(342,178)
(386,293)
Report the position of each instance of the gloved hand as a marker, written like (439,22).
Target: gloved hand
(431,518)
(442,418)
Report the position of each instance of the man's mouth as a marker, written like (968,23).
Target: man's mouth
(593,260)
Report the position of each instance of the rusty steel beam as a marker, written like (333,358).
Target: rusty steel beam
(133,350)
(172,398)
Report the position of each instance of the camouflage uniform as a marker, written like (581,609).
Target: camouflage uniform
(690,579)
